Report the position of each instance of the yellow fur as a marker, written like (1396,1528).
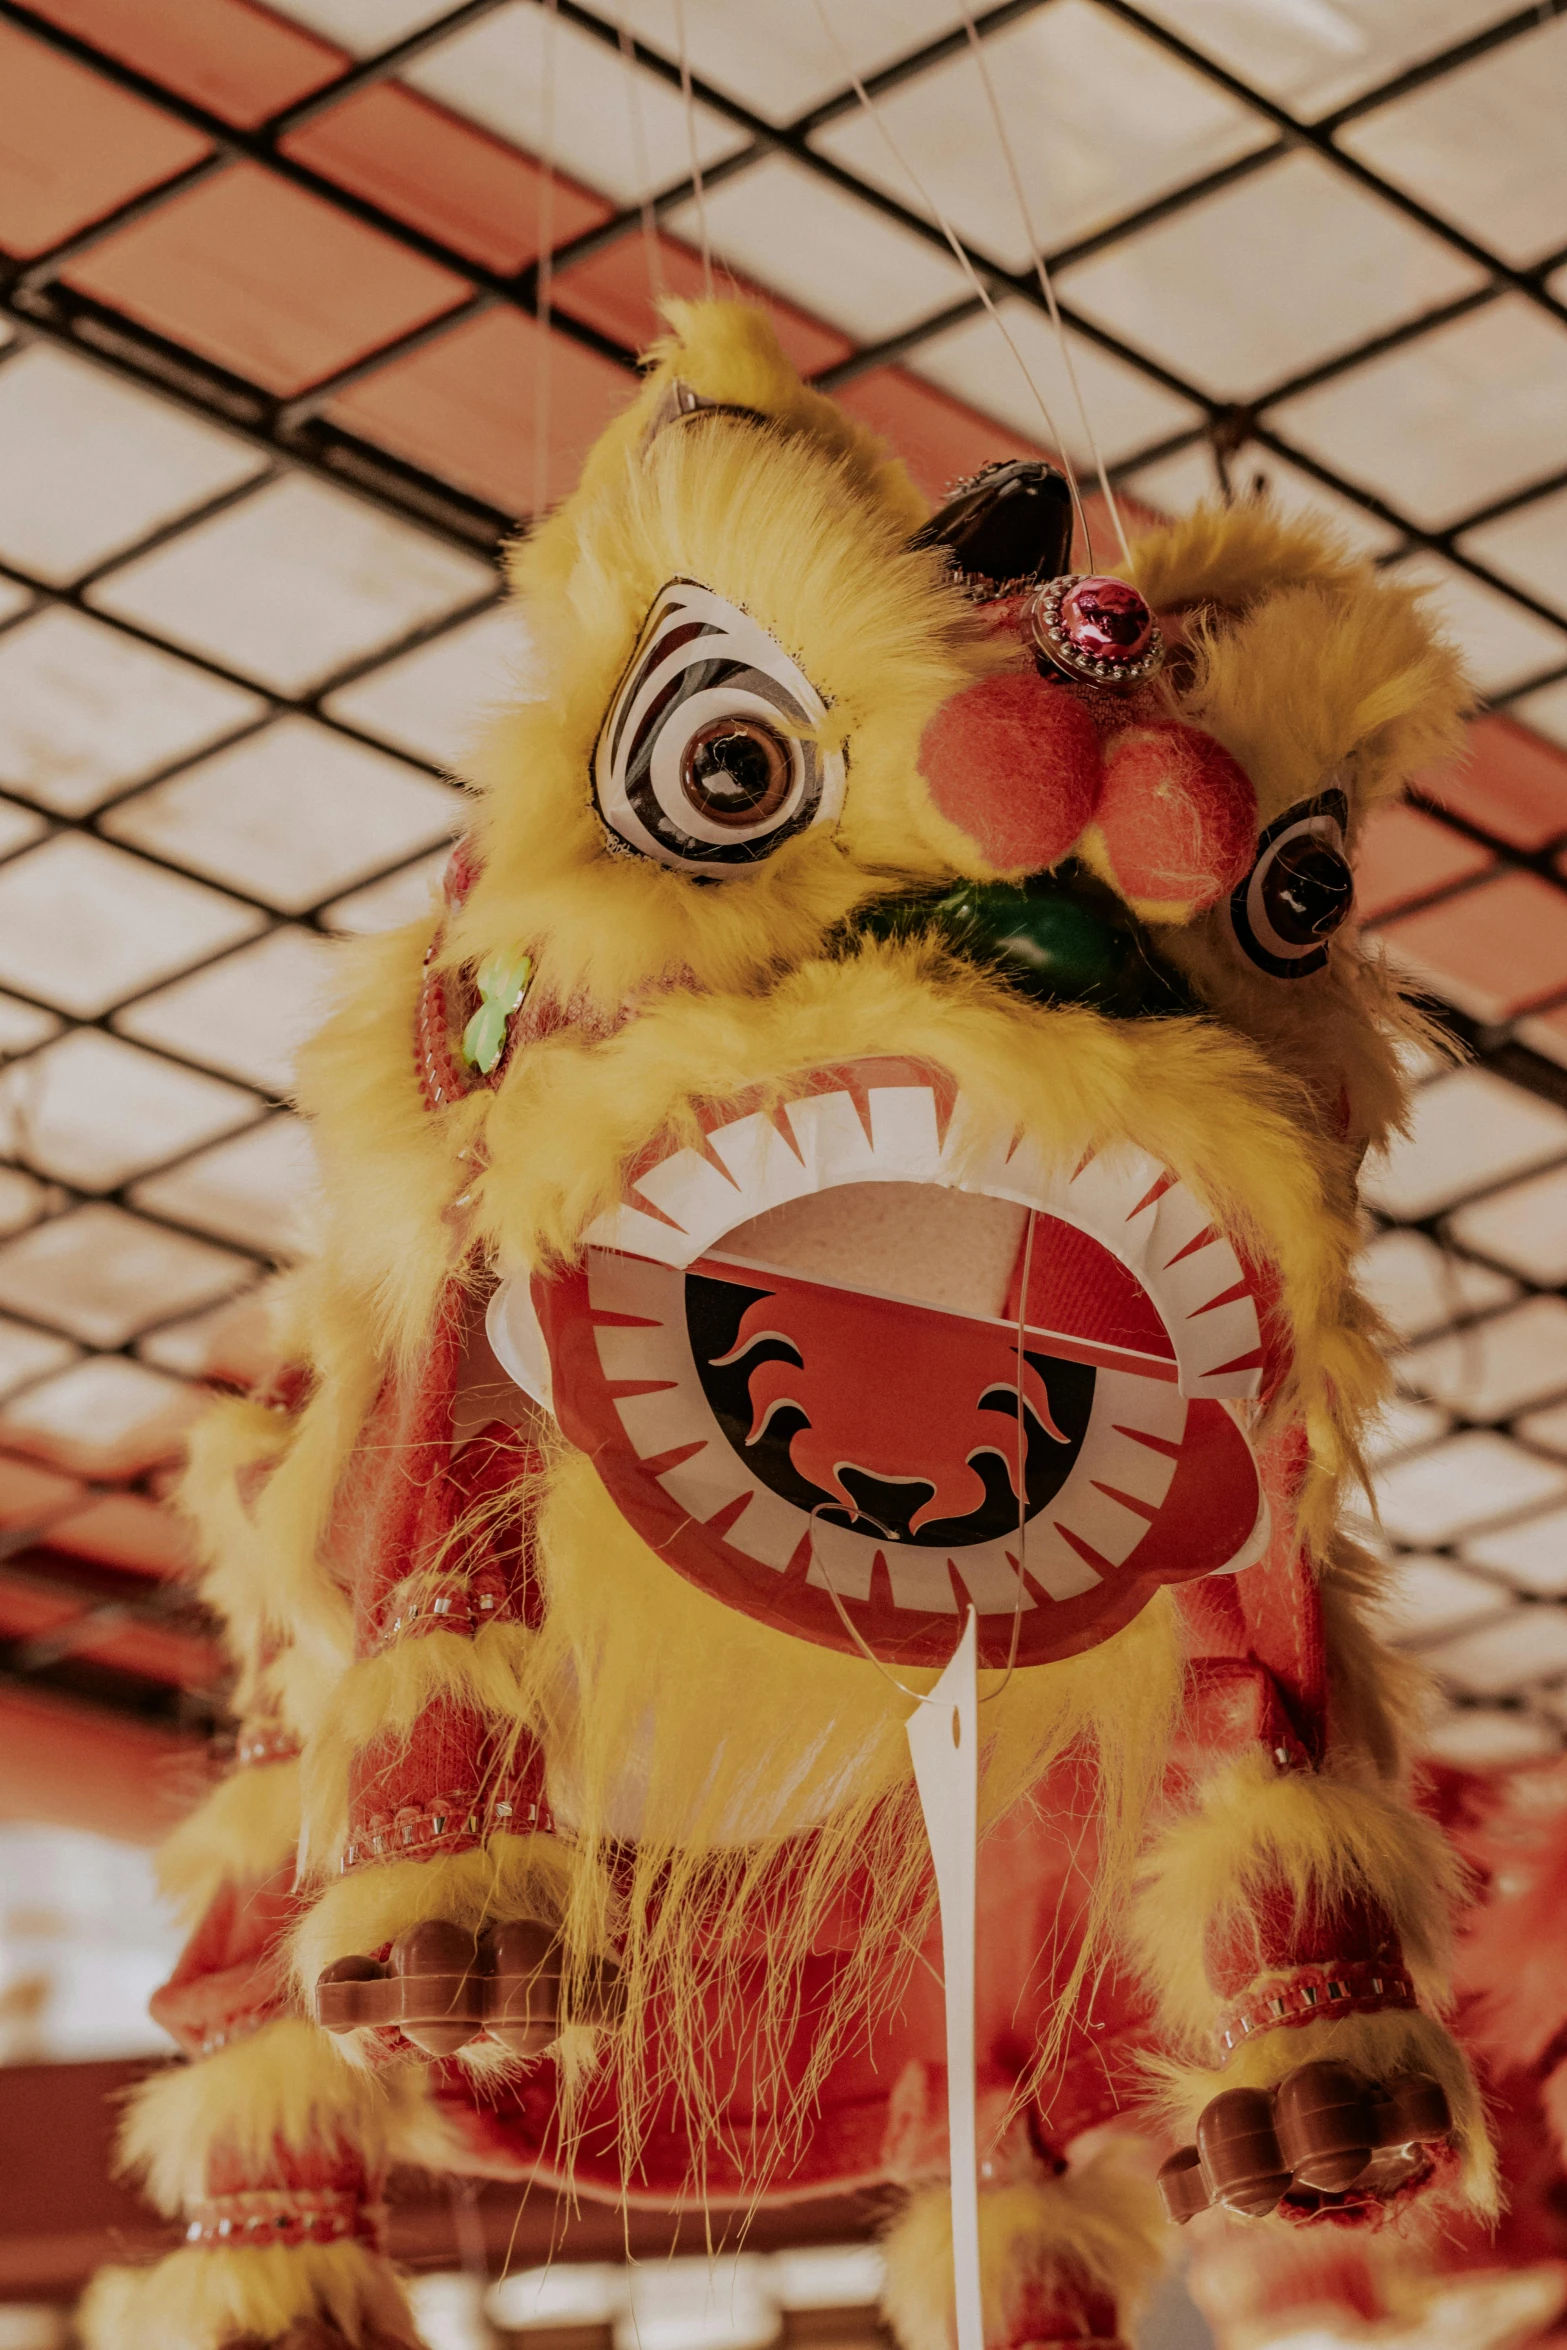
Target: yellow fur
(205,2299)
(1098,2223)
(247,1827)
(287,2081)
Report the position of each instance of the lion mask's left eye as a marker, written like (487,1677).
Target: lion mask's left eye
(708,758)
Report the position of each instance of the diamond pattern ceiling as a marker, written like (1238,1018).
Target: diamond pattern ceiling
(271,358)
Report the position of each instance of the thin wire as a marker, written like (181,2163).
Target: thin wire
(923,1697)
(641,162)
(697,189)
(960,253)
(544,284)
(1036,250)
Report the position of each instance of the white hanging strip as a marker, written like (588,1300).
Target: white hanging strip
(544,282)
(695,146)
(943,1735)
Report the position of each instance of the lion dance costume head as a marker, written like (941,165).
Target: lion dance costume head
(869,1135)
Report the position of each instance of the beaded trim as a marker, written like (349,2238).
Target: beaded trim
(451,1823)
(263,1742)
(1355,1987)
(455,1604)
(289,2216)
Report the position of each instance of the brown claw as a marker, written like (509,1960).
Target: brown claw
(1325,2128)
(443,1986)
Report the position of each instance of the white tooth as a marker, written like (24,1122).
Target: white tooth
(988,1576)
(630,1285)
(920,1580)
(696,1196)
(657,1423)
(768,1529)
(903,1129)
(707,1482)
(842,1562)
(1054,1564)
(833,1143)
(632,1354)
(1107,1526)
(766,1171)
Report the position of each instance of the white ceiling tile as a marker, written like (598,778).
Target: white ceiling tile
(363,27)
(293,584)
(1547,1429)
(1176,484)
(18,826)
(247,1014)
(22,1199)
(257,1190)
(14,598)
(1482,146)
(1311,266)
(608,118)
(22,1026)
(778,59)
(1401,1426)
(290,815)
(1468,1131)
(94,464)
(101,1275)
(1447,423)
(1533,1554)
(91,1111)
(85,709)
(408,896)
(83,925)
(1417,1287)
(1488,1737)
(800,236)
(96,1404)
(1523,1227)
(1501,643)
(433,701)
(186,1347)
(1528,546)
(1545,711)
(27,1354)
(1101,121)
(1464,1483)
(1127,411)
(1527,1645)
(1426,1598)
(1491,1369)
(1314,55)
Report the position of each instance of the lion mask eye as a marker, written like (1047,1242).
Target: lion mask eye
(708,759)
(1299,890)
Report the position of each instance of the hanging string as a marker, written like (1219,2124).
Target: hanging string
(697,189)
(922,1697)
(960,254)
(1036,250)
(544,281)
(640,161)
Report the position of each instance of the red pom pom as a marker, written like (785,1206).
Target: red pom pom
(1177,816)
(1014,763)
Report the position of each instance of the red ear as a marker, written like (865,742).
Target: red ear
(1177,816)
(1014,763)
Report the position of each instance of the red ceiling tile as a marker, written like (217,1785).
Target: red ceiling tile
(267,279)
(465,406)
(237,61)
(1494,950)
(126,1530)
(613,291)
(30,1496)
(1509,782)
(445,176)
(79,1766)
(72,147)
(115,1459)
(1546,1032)
(939,439)
(1405,855)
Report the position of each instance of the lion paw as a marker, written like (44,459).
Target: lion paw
(442,1987)
(1325,2129)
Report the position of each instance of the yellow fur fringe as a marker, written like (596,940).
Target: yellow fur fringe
(288,2081)
(201,2299)
(247,1828)
(1098,2224)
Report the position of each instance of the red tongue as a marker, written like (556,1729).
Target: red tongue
(1076,1287)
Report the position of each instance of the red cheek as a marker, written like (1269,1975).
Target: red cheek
(1016,764)
(1177,816)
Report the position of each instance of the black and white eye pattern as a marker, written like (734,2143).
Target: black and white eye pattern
(707,760)
(1299,891)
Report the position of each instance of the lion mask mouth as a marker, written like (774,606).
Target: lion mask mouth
(798,1357)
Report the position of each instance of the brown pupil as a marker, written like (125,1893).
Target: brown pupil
(736,771)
